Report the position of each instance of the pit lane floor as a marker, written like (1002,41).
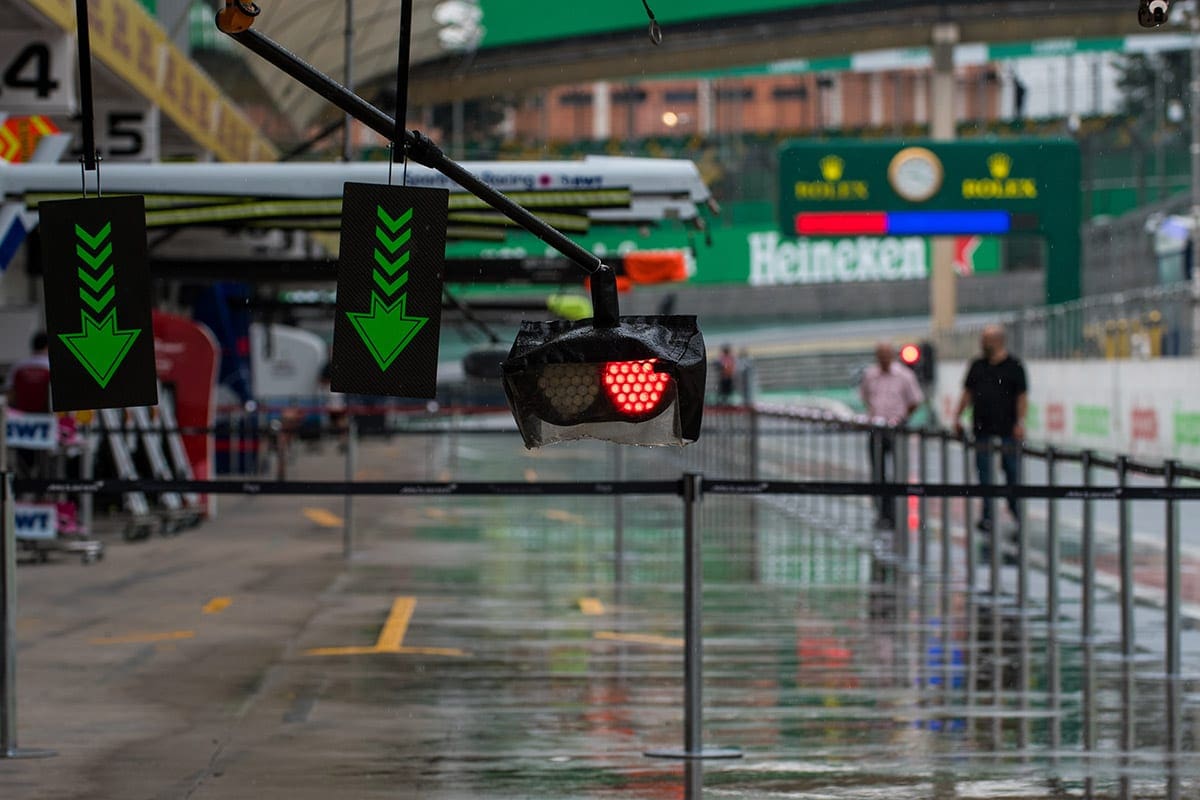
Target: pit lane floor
(483,647)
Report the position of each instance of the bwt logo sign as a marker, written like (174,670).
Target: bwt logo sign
(35,521)
(32,432)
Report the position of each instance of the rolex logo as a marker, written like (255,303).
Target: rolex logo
(832,168)
(999,165)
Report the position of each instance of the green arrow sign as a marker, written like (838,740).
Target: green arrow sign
(98,303)
(389,290)
(387,329)
(99,346)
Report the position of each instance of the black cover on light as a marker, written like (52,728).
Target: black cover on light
(675,342)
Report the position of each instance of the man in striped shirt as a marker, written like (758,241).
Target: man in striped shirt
(890,392)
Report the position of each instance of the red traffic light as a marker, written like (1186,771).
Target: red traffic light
(910,354)
(631,389)
(635,388)
(641,382)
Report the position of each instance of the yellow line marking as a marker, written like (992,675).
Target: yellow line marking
(323,518)
(591,606)
(638,638)
(391,637)
(217,605)
(340,651)
(428,651)
(143,638)
(562,515)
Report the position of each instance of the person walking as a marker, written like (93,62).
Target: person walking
(891,393)
(727,369)
(27,385)
(996,388)
(27,389)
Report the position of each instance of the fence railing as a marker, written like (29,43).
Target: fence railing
(1143,323)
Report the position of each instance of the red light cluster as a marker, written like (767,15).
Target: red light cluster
(910,354)
(634,387)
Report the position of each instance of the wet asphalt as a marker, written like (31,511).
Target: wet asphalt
(518,647)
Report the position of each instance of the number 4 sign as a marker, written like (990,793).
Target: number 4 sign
(36,73)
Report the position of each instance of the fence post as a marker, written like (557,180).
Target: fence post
(1023,666)
(1087,621)
(972,567)
(900,501)
(1128,638)
(693,636)
(8,627)
(1052,603)
(1174,638)
(946,563)
(351,470)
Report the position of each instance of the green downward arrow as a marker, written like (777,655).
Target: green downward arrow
(386,329)
(100,347)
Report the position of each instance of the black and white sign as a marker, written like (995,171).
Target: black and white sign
(36,73)
(31,431)
(124,133)
(35,521)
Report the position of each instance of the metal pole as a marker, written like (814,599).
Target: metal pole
(1128,638)
(8,627)
(348,57)
(3,433)
(1088,620)
(87,471)
(994,578)
(922,560)
(403,58)
(1052,605)
(842,434)
(946,567)
(693,652)
(693,667)
(973,642)
(87,115)
(1174,639)
(922,509)
(420,148)
(1023,667)
(900,501)
(8,619)
(1194,19)
(351,470)
(878,470)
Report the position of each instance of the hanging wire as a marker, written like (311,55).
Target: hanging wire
(655,30)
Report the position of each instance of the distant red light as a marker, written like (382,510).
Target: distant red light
(910,354)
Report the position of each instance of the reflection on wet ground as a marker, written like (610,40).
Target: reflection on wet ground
(838,673)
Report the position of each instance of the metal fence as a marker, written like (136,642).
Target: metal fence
(1142,323)
(1068,630)
(1063,638)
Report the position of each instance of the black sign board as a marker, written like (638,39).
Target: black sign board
(97,286)
(389,290)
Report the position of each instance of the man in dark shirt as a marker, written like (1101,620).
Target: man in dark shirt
(997,389)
